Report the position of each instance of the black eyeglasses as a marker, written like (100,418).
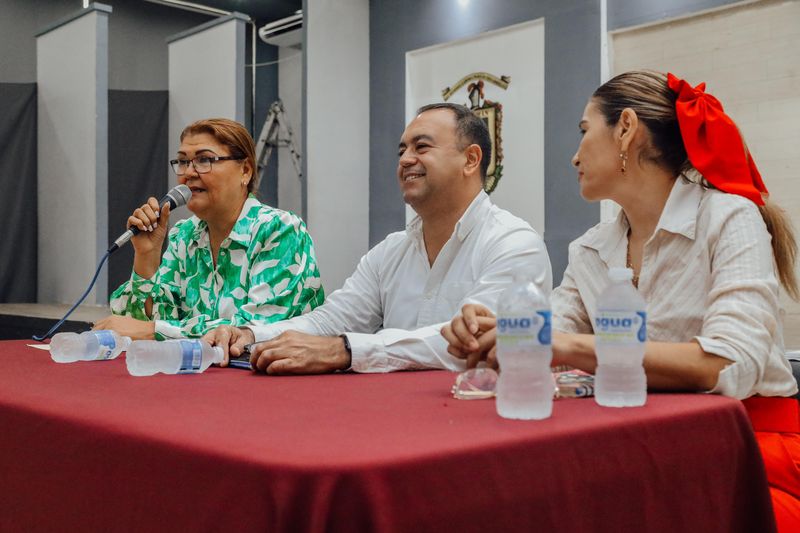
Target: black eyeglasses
(201,163)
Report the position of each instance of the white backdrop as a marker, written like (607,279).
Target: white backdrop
(516,51)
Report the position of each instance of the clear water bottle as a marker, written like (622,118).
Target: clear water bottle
(184,356)
(525,388)
(97,345)
(620,328)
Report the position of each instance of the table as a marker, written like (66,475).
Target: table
(86,447)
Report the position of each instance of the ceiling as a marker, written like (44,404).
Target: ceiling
(261,10)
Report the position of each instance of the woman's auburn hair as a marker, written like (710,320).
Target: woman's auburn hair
(231,134)
(649,96)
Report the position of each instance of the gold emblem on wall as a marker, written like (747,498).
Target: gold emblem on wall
(491,113)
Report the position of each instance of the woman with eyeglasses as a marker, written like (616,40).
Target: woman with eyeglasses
(710,253)
(236,261)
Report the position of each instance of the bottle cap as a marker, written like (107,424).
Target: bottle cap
(66,347)
(620,274)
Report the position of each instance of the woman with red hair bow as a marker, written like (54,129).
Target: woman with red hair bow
(709,254)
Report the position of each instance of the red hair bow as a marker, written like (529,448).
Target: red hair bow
(714,144)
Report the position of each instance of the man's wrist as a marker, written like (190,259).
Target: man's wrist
(248,335)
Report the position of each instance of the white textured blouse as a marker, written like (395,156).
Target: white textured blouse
(707,275)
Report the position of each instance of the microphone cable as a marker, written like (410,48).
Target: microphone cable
(40,338)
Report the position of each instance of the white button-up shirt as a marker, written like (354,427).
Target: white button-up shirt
(707,274)
(394,305)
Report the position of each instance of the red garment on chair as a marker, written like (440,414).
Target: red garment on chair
(776,422)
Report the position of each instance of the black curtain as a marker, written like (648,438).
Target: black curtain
(18,193)
(137,165)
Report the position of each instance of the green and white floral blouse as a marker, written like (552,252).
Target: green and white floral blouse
(266,272)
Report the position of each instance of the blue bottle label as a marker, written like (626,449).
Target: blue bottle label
(105,338)
(525,330)
(544,332)
(642,333)
(623,327)
(191,357)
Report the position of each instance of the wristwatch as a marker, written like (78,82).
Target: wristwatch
(349,352)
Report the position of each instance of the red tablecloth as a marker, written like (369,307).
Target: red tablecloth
(86,447)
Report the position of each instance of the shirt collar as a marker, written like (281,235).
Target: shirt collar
(474,213)
(414,226)
(680,212)
(679,216)
(240,233)
(608,236)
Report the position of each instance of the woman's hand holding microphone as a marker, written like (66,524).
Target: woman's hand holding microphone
(153,227)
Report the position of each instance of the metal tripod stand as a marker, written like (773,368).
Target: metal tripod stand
(276,133)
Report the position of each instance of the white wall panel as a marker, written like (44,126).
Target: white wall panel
(518,52)
(206,75)
(72,78)
(337,133)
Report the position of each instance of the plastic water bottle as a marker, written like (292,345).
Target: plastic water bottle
(96,345)
(184,356)
(525,388)
(620,328)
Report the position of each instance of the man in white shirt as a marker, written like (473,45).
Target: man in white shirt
(460,248)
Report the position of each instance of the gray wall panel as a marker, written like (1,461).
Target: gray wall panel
(137,33)
(572,66)
(18,201)
(625,13)
(572,72)
(138,168)
(19,23)
(137,48)
(101,149)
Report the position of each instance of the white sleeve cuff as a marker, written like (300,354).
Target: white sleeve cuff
(732,380)
(368,352)
(264,333)
(390,350)
(167,330)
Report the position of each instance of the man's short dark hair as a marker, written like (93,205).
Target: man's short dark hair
(470,129)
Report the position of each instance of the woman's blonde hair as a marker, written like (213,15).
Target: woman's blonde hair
(647,93)
(231,134)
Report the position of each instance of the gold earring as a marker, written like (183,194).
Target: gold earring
(624,157)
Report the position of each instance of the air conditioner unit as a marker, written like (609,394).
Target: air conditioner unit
(284,32)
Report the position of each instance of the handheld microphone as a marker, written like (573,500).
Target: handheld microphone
(176,197)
